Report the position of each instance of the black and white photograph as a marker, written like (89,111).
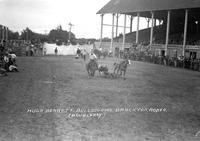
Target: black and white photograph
(99,70)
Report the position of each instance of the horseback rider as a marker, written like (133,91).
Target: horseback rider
(92,65)
(93,58)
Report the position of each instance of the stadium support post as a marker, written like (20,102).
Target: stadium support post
(185,31)
(148,20)
(138,23)
(124,36)
(112,34)
(131,23)
(152,25)
(117,19)
(101,34)
(167,32)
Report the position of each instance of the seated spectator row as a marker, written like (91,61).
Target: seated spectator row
(7,60)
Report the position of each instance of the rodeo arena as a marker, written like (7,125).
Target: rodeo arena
(140,85)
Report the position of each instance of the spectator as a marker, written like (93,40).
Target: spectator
(56,51)
(84,54)
(31,51)
(6,62)
(13,57)
(100,49)
(35,50)
(27,50)
(78,52)
(13,68)
(2,51)
(44,51)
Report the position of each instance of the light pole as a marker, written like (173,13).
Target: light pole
(27,34)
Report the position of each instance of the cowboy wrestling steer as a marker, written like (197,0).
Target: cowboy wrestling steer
(121,67)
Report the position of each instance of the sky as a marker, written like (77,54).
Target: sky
(43,15)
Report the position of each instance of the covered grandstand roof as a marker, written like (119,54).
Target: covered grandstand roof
(133,6)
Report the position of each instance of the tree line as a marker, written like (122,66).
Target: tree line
(57,35)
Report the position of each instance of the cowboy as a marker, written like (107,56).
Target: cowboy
(56,51)
(44,51)
(93,58)
(78,52)
(84,53)
(27,50)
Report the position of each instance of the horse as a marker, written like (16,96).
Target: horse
(121,67)
(99,53)
(91,67)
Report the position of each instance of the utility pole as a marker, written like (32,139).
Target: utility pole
(27,34)
(70,28)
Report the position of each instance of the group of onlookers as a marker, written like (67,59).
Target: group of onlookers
(179,61)
(32,50)
(7,60)
(81,53)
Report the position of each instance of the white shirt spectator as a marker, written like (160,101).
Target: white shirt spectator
(6,59)
(27,48)
(84,52)
(13,56)
(44,50)
(100,49)
(12,67)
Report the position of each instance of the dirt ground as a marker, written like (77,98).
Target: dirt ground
(52,99)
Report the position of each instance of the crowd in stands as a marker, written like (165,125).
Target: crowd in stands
(190,62)
(175,38)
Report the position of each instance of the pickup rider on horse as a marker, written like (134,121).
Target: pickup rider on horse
(92,65)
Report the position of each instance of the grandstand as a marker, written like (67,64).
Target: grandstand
(178,33)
